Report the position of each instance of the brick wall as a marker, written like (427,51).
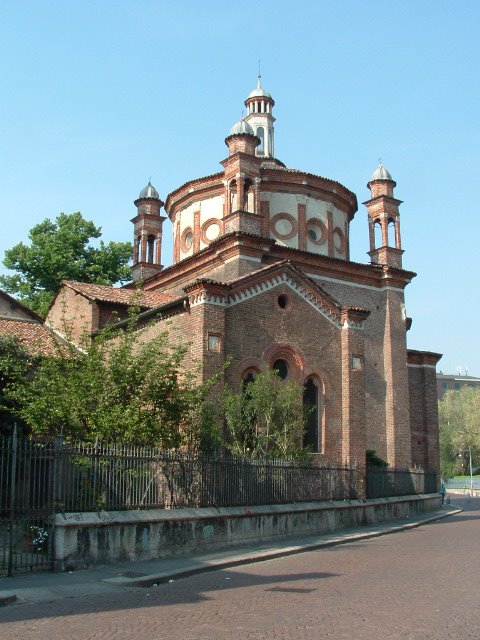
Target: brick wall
(386,384)
(257,328)
(72,316)
(424,410)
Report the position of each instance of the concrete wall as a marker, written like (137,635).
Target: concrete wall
(85,539)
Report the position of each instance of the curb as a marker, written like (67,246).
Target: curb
(250,558)
(7,597)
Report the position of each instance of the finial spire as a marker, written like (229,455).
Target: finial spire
(259,68)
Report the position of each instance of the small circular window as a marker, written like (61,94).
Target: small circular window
(313,234)
(283,301)
(281,367)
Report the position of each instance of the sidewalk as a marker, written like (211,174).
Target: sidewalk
(41,587)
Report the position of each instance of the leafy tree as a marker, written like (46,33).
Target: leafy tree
(459,417)
(59,251)
(15,364)
(119,387)
(266,418)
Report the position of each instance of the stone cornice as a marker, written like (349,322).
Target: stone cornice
(423,358)
(269,253)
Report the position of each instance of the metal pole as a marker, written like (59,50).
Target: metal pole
(471,472)
(13,474)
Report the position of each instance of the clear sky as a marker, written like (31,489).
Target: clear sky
(97,96)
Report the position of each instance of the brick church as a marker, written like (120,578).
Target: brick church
(262,275)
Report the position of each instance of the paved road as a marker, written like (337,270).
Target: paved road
(420,584)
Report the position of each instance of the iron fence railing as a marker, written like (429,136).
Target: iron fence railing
(27,474)
(118,477)
(383,483)
(38,479)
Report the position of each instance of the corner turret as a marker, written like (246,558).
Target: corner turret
(147,242)
(384,220)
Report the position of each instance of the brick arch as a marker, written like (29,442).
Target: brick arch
(246,365)
(284,351)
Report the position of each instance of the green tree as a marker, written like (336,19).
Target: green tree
(266,418)
(120,387)
(459,418)
(60,250)
(15,364)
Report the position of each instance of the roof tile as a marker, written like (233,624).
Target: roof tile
(105,293)
(33,336)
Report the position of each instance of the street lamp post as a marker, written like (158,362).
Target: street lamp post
(471,470)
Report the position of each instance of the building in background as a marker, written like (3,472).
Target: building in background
(446,382)
(18,321)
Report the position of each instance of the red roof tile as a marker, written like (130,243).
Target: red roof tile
(33,336)
(105,293)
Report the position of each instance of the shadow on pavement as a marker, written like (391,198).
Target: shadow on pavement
(180,592)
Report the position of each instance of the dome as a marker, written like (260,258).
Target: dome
(149,192)
(242,127)
(380,173)
(259,92)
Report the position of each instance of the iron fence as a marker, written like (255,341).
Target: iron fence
(27,472)
(118,478)
(383,483)
(38,479)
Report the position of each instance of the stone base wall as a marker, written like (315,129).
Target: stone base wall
(86,539)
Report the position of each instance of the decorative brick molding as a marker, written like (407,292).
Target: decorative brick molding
(337,232)
(206,225)
(246,365)
(284,351)
(314,222)
(183,239)
(289,218)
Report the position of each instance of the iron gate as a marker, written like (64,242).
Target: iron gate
(27,483)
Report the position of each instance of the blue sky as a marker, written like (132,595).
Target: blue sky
(99,96)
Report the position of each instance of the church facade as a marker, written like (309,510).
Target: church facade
(262,276)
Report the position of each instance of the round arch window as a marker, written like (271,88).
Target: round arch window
(281,367)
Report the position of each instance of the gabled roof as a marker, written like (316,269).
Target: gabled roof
(32,335)
(13,302)
(106,293)
(254,283)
